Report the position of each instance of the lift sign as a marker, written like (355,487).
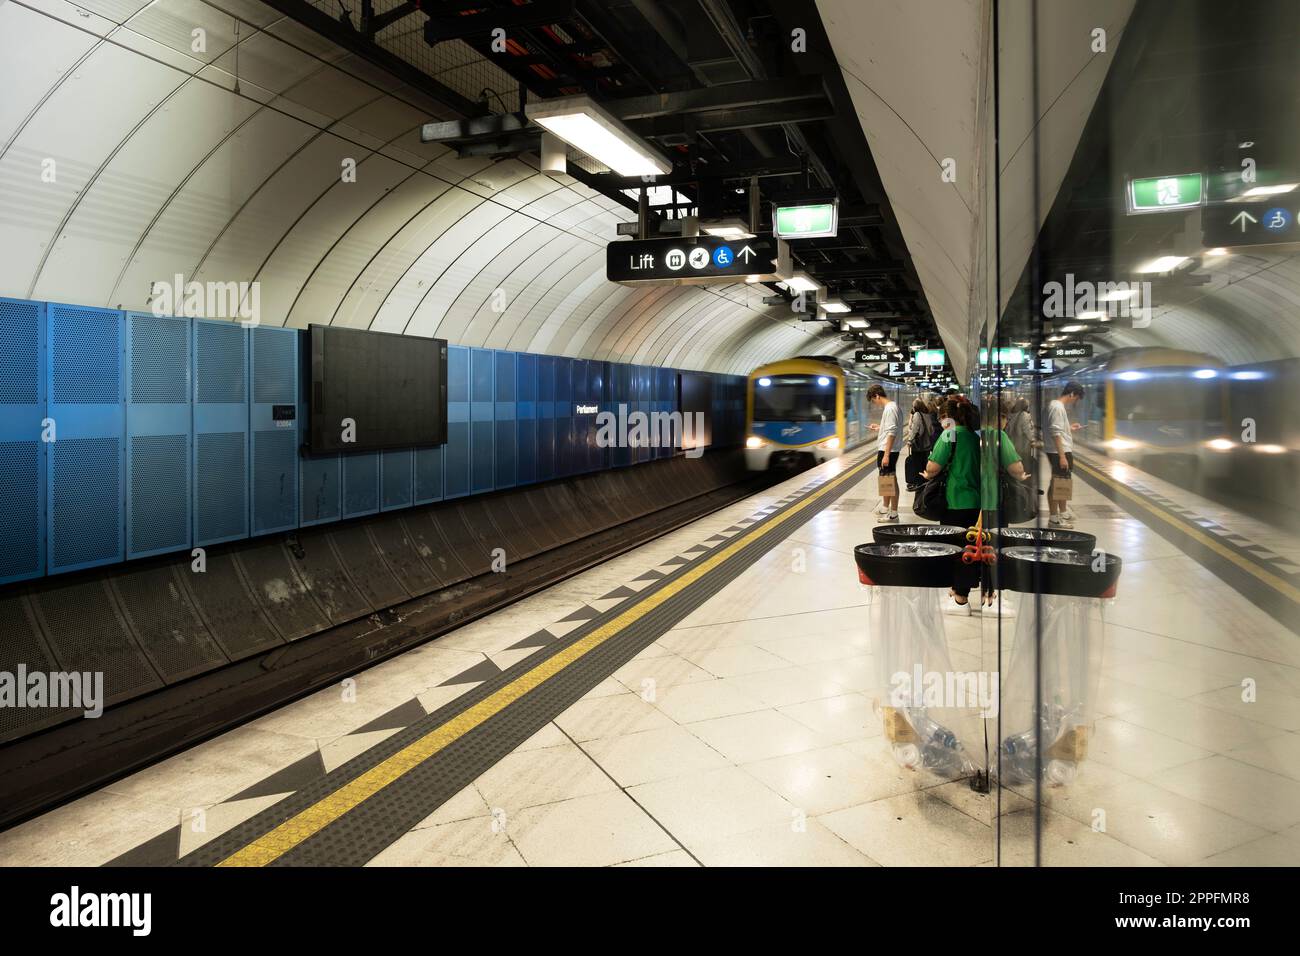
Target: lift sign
(683,260)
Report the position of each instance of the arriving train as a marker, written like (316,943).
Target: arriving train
(807,410)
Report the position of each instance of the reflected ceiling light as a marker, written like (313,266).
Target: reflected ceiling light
(1205,373)
(729,229)
(582,123)
(1117,295)
(1131,376)
(1073,328)
(1249,375)
(1220,444)
(834,305)
(1216,251)
(1271,449)
(1162,264)
(1093,315)
(1254,192)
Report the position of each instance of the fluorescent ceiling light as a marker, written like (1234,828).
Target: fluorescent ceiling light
(802,282)
(1092,315)
(1073,328)
(1162,264)
(875,335)
(729,229)
(582,123)
(834,305)
(1205,373)
(857,323)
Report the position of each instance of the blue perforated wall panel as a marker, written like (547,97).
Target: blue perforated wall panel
(456,453)
(221,445)
(86,466)
(274,371)
(159,460)
(22,452)
(526,419)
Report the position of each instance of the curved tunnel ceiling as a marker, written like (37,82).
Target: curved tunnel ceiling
(163,163)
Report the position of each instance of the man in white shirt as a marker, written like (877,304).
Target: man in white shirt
(890,438)
(1060,449)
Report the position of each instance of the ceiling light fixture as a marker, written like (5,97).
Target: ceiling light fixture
(584,124)
(1161,264)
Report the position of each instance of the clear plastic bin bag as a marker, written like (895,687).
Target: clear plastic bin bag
(926,726)
(1072,633)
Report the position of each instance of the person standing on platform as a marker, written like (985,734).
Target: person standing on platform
(922,429)
(958,450)
(890,443)
(1060,449)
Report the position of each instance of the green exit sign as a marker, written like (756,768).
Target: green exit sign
(928,357)
(1004,356)
(806,221)
(1162,193)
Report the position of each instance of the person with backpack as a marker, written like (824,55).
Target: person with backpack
(922,429)
(1020,428)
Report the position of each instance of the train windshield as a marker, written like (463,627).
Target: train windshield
(1169,397)
(794,398)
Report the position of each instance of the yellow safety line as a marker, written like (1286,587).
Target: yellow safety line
(274,844)
(1272,580)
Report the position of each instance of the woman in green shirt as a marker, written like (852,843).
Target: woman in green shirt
(958,450)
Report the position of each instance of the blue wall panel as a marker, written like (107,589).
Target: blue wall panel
(482,416)
(360,484)
(159,420)
(86,465)
(504,412)
(546,416)
(275,375)
(221,449)
(526,418)
(564,464)
(22,452)
(428,475)
(456,454)
(396,476)
(320,494)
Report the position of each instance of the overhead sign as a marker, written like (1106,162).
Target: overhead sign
(897,369)
(1166,193)
(702,258)
(1004,356)
(1249,224)
(1043,366)
(1075,351)
(805,221)
(862,356)
(928,357)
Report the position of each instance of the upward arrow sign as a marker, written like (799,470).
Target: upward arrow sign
(1242,217)
(747,253)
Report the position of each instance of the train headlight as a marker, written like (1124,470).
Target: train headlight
(1220,444)
(753,441)
(823,381)
(764,382)
(831,442)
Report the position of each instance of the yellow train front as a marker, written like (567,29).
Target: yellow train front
(803,411)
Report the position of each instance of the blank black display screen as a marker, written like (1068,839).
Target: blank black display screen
(695,394)
(378,389)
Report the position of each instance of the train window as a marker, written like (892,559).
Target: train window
(794,398)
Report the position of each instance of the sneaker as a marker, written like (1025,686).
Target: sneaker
(881,509)
(892,516)
(1067,514)
(884,516)
(950,606)
(1059,521)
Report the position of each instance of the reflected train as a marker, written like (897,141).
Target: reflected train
(1152,407)
(807,410)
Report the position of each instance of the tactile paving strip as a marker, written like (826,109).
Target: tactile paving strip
(364,831)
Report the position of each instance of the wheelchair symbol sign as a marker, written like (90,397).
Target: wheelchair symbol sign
(1276,219)
(723,257)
